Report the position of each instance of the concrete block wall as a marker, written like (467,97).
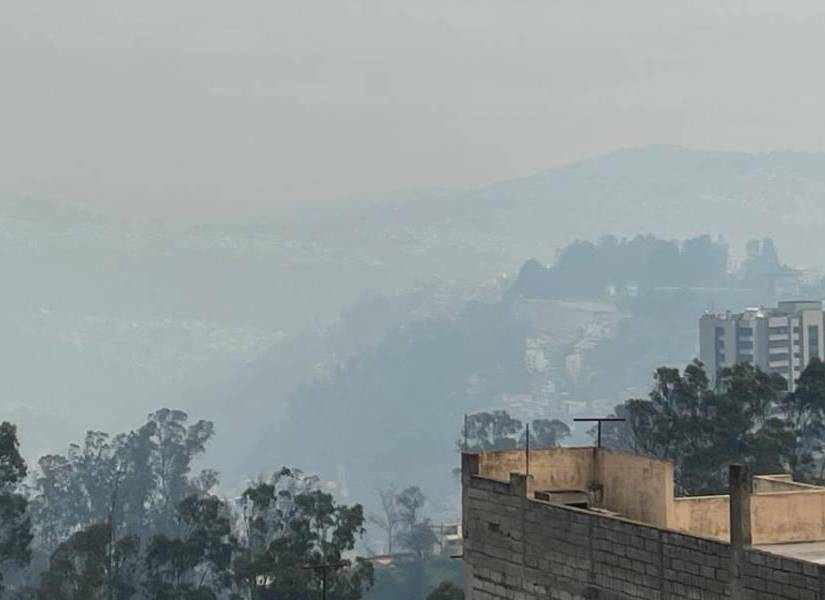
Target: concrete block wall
(516,548)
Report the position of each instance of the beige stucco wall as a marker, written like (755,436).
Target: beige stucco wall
(636,487)
(707,516)
(552,468)
(782,511)
(780,517)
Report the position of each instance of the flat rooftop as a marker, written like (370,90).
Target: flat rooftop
(809,551)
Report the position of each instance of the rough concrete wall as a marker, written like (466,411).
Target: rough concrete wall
(520,549)
(704,516)
(771,577)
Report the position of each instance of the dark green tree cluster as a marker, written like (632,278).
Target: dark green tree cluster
(586,269)
(748,416)
(122,518)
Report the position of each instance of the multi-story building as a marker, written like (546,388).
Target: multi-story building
(779,340)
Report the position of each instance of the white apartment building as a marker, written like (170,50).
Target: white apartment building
(777,340)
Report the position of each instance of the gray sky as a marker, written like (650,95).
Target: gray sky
(214,109)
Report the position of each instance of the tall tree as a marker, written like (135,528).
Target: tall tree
(176,444)
(15,525)
(703,429)
(416,536)
(417,533)
(804,412)
(390,519)
(135,480)
(198,563)
(292,528)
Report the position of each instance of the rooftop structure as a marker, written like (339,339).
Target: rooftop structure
(779,340)
(589,523)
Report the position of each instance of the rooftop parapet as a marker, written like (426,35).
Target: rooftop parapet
(641,489)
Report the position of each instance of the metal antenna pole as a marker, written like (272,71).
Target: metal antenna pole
(527,450)
(599,421)
(465,431)
(323,569)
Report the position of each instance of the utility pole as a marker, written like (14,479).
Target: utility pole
(598,421)
(323,569)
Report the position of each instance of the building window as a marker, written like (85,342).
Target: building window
(813,341)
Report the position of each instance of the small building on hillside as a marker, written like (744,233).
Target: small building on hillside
(588,523)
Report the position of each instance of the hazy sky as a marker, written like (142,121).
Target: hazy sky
(214,109)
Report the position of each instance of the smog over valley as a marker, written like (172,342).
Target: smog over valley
(412,301)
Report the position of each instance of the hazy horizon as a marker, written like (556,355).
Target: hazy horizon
(205,111)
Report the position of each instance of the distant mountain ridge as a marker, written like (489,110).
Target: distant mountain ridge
(43,209)
(670,191)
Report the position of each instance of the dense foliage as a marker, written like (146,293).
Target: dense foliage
(122,517)
(137,479)
(586,269)
(747,417)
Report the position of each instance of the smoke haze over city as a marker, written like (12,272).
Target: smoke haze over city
(276,273)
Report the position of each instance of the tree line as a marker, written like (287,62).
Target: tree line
(124,517)
(586,269)
(748,416)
